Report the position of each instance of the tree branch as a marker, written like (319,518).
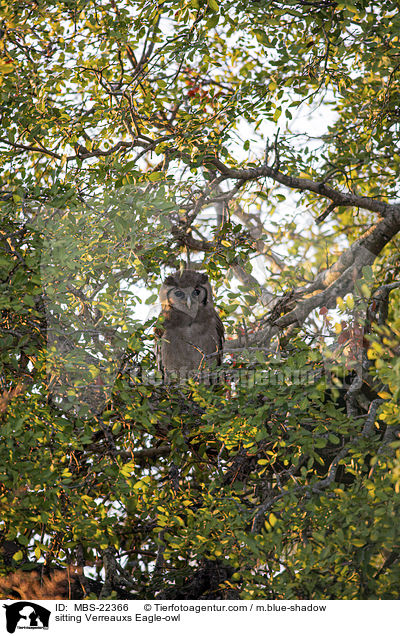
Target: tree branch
(345,199)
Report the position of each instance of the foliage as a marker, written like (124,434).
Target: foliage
(140,136)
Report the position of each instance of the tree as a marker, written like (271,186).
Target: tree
(138,137)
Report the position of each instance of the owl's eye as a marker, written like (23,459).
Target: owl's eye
(195,292)
(179,294)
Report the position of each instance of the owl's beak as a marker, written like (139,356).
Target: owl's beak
(189,302)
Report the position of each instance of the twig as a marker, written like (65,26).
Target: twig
(325,214)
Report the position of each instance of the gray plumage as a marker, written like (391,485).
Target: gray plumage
(191,334)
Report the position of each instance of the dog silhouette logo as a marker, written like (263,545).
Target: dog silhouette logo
(26,615)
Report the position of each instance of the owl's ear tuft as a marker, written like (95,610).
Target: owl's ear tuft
(204,278)
(170,280)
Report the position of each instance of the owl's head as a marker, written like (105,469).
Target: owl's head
(186,291)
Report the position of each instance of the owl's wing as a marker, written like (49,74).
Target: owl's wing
(158,332)
(220,336)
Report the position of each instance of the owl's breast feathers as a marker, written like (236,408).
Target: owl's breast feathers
(187,343)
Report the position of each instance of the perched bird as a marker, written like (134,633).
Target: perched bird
(191,334)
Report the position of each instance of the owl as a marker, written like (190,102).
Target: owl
(192,334)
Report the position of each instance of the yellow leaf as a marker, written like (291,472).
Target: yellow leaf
(6,67)
(366,291)
(272,519)
(340,303)
(213,5)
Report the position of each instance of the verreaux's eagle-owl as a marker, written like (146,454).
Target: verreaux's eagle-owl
(192,334)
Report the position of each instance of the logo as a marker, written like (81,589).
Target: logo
(26,615)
